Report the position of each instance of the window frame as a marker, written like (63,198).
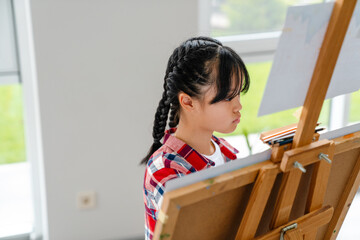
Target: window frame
(26,71)
(258,47)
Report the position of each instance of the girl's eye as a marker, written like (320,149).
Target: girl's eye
(229,99)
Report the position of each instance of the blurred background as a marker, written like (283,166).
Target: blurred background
(79,86)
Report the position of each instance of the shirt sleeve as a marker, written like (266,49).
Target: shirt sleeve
(151,211)
(154,188)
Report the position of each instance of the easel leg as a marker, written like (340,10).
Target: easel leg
(345,201)
(285,200)
(317,191)
(318,187)
(257,202)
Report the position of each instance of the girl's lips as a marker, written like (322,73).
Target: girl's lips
(236,120)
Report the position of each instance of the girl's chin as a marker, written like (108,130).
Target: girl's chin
(230,130)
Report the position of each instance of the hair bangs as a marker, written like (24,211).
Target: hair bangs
(231,72)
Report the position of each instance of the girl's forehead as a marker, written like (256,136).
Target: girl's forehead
(212,89)
(209,92)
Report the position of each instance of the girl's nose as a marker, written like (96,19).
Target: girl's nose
(238,105)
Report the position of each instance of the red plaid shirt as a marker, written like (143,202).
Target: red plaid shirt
(173,159)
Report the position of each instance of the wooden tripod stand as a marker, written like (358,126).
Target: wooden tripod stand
(304,190)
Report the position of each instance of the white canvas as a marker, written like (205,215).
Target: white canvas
(297,53)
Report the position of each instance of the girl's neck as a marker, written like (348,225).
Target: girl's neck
(195,137)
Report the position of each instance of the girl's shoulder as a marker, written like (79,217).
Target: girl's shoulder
(167,159)
(163,166)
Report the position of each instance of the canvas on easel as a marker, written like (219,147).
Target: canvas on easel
(303,192)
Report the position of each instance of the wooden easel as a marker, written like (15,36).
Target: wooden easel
(274,199)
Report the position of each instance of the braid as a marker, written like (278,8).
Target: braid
(174,116)
(161,117)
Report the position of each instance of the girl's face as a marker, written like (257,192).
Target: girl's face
(222,116)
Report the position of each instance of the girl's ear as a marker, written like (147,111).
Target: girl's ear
(186,102)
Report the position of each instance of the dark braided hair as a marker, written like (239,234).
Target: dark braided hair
(189,68)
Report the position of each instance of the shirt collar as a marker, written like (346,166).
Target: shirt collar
(191,155)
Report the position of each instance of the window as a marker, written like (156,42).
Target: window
(354,113)
(16,216)
(234,17)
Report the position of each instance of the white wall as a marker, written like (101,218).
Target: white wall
(100,67)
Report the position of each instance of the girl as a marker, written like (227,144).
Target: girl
(202,86)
